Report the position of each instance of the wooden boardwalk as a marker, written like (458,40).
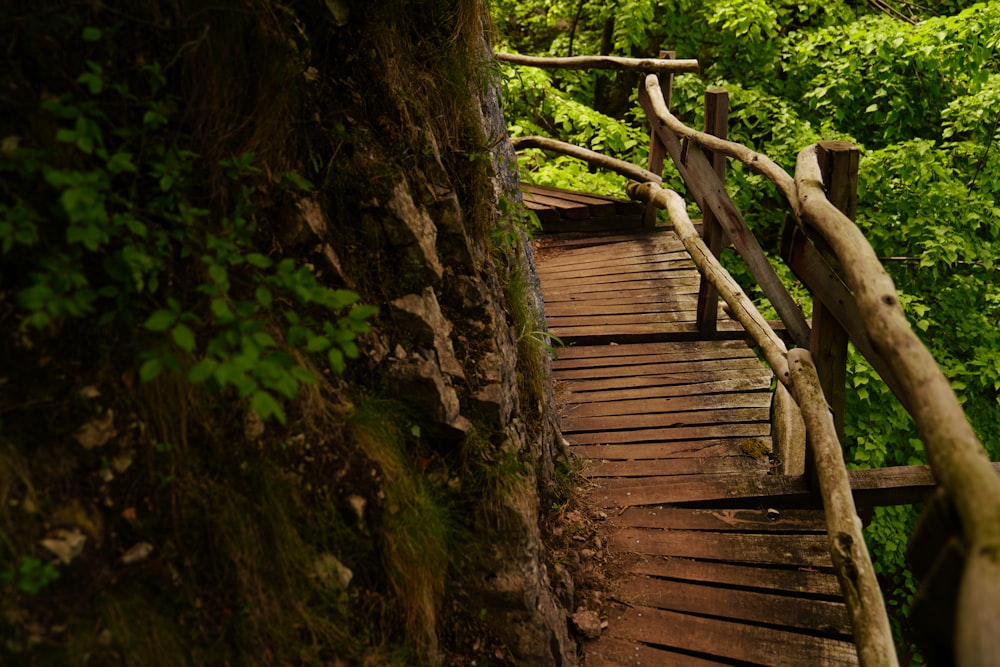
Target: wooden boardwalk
(674,433)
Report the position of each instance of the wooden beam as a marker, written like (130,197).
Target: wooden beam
(657,151)
(710,194)
(824,281)
(716,124)
(602,62)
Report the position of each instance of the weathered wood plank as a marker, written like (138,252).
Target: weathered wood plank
(573,395)
(793,580)
(665,435)
(730,640)
(661,450)
(584,308)
(670,404)
(757,548)
(705,487)
(633,258)
(611,652)
(696,366)
(666,420)
(822,616)
(682,292)
(667,378)
(670,467)
(661,281)
(703,349)
(625,319)
(754,520)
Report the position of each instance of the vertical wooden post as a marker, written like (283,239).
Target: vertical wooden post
(828,345)
(716,124)
(657,151)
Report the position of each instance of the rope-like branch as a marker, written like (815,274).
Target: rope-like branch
(602,62)
(740,305)
(626,169)
(758,162)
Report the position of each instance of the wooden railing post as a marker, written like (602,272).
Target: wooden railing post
(657,150)
(716,124)
(828,344)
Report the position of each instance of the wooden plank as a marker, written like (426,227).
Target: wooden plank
(573,395)
(680,378)
(699,348)
(620,255)
(578,309)
(793,580)
(671,271)
(672,467)
(730,640)
(665,281)
(585,274)
(757,548)
(697,366)
(665,435)
(670,404)
(622,319)
(705,487)
(679,291)
(682,448)
(821,616)
(755,520)
(665,420)
(612,652)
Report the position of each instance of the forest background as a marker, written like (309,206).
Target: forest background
(915,85)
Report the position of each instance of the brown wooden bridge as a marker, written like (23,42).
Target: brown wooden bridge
(714,449)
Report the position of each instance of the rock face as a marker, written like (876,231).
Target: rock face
(452,353)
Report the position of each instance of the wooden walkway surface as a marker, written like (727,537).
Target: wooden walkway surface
(671,431)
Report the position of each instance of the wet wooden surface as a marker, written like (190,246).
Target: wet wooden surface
(670,430)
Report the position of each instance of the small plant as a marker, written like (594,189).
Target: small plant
(31,575)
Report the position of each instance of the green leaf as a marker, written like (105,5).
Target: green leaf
(150,369)
(264,405)
(161,320)
(202,370)
(91,34)
(184,337)
(263,296)
(336,358)
(259,261)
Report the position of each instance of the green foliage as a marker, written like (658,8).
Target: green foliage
(30,575)
(107,219)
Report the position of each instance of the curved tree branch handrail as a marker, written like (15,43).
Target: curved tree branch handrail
(620,167)
(845,532)
(956,456)
(602,62)
(758,162)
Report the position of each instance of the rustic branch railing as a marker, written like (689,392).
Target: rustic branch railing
(867,308)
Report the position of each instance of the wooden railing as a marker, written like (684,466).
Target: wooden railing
(853,299)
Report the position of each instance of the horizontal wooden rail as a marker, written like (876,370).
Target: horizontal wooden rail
(959,461)
(602,62)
